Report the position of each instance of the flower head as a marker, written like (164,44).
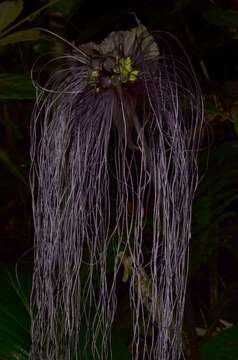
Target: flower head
(117,60)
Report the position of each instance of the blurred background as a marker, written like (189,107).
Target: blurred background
(208,31)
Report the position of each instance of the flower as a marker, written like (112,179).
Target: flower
(94,187)
(117,60)
(118,66)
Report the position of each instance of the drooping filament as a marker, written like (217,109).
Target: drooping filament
(115,134)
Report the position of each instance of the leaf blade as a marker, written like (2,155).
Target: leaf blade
(16,86)
(5,159)
(220,17)
(21,36)
(9,11)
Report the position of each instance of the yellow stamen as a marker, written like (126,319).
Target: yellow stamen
(133,75)
(94,76)
(124,68)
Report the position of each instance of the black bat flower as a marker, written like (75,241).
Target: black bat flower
(114,139)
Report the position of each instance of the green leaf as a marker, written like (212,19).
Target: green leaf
(229,92)
(223,346)
(67,8)
(21,36)
(119,348)
(16,86)
(15,321)
(5,159)
(179,5)
(220,17)
(9,11)
(216,198)
(234,114)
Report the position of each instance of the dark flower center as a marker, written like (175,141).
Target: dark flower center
(112,72)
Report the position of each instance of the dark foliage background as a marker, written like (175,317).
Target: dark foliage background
(209,32)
